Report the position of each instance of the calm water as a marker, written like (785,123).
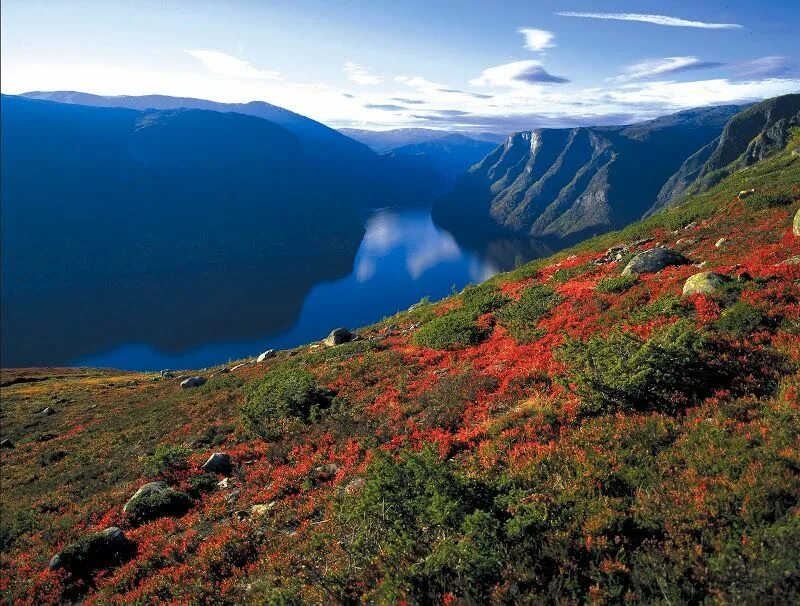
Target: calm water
(402,258)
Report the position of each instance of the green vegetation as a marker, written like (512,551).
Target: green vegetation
(166,461)
(740,319)
(616,284)
(453,330)
(284,396)
(522,317)
(159,504)
(770,198)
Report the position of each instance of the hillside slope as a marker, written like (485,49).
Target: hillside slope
(570,432)
(563,185)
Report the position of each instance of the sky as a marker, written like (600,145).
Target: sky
(459,65)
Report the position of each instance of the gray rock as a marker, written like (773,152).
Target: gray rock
(146,490)
(704,283)
(746,193)
(48,411)
(238,366)
(166,374)
(338,336)
(796,223)
(653,260)
(192,382)
(720,243)
(219,462)
(270,353)
(6,443)
(99,550)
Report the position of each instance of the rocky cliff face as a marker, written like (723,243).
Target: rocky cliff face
(563,185)
(751,135)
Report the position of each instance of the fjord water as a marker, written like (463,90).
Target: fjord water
(402,257)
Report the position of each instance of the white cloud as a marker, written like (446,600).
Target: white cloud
(360,75)
(655,19)
(650,68)
(516,74)
(537,39)
(231,67)
(419,83)
(774,66)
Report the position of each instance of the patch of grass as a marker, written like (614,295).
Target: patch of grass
(166,460)
(616,284)
(453,330)
(769,199)
(565,274)
(483,298)
(522,317)
(172,503)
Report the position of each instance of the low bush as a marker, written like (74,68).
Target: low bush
(166,461)
(740,319)
(453,330)
(283,397)
(616,284)
(769,199)
(483,298)
(522,317)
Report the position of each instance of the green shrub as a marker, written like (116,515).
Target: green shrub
(522,317)
(444,404)
(622,371)
(283,397)
(166,461)
(664,306)
(616,284)
(769,199)
(740,319)
(483,298)
(203,483)
(566,274)
(165,503)
(453,330)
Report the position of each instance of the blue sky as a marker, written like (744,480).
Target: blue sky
(463,65)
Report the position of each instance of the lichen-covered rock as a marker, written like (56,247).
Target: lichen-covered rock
(156,500)
(704,283)
(653,260)
(219,462)
(338,336)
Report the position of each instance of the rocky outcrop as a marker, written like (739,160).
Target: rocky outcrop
(704,283)
(653,260)
(337,337)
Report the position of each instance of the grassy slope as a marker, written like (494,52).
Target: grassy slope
(696,502)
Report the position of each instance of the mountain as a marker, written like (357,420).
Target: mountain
(571,432)
(372,180)
(96,198)
(563,185)
(386,140)
(450,155)
(748,137)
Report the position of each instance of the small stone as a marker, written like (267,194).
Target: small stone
(704,283)
(354,486)
(746,193)
(166,373)
(6,443)
(721,242)
(48,411)
(691,225)
(219,462)
(791,261)
(270,353)
(238,366)
(259,509)
(796,223)
(338,336)
(224,484)
(192,382)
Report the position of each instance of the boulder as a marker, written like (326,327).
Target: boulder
(796,224)
(338,336)
(704,283)
(219,462)
(166,374)
(94,552)
(192,382)
(653,260)
(270,353)
(156,500)
(48,411)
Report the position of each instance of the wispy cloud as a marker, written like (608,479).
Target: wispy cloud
(465,92)
(409,101)
(517,73)
(655,19)
(773,66)
(230,66)
(651,68)
(537,39)
(359,75)
(389,107)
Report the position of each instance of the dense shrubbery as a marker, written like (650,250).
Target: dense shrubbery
(740,319)
(616,284)
(284,396)
(483,298)
(768,199)
(167,460)
(522,317)
(453,330)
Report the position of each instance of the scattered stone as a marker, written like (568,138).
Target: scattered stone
(323,473)
(338,336)
(146,490)
(642,242)
(701,265)
(48,411)
(93,552)
(259,509)
(721,242)
(270,353)
(166,374)
(691,225)
(685,242)
(219,462)
(6,443)
(224,484)
(746,193)
(238,366)
(45,437)
(796,223)
(192,382)
(653,260)
(791,261)
(391,329)
(704,283)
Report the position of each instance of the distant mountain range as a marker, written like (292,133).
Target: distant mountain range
(383,141)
